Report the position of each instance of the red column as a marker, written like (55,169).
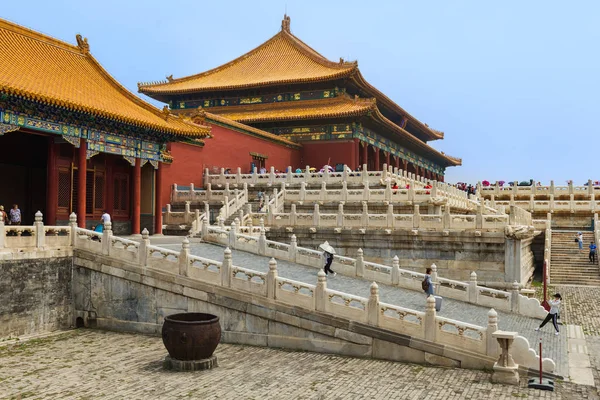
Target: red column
(157,203)
(405,165)
(377,166)
(387,159)
(398,162)
(137,197)
(356,154)
(81,178)
(365,154)
(52,184)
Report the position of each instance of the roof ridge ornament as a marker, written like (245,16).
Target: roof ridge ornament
(166,112)
(170,78)
(82,43)
(285,23)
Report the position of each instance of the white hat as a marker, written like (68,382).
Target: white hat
(327,247)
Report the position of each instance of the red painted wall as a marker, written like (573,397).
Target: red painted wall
(226,149)
(316,154)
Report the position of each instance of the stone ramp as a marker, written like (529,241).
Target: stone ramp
(554,347)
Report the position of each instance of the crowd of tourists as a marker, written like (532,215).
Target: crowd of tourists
(13,217)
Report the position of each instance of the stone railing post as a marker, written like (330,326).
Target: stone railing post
(293,216)
(479,217)
(72,224)
(447,218)
(226,268)
(360,263)
(143,249)
(430,325)
(551,203)
(40,235)
(272,279)
(373,306)
(208,191)
(340,215)
(570,185)
(221,221)
(388,191)
(572,203)
(473,292)
(186,216)
(435,278)
(316,215)
(227,191)
(416,217)
(411,191)
(238,175)
(107,238)
(390,216)
(262,241)
(323,192)
(345,173)
(271,175)
(302,191)
(254,175)
(233,235)
(184,256)
(514,297)
(344,191)
(590,187)
(491,344)
(293,249)
(321,292)
(366,194)
(191,191)
(395,270)
(167,215)
(365,215)
(364,173)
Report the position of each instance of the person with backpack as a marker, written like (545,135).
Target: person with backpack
(427,284)
(592,255)
(552,314)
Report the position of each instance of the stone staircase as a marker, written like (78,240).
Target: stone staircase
(568,264)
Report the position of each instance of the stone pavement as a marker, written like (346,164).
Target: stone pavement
(554,347)
(89,364)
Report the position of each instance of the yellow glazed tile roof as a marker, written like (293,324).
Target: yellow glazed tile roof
(336,107)
(41,68)
(210,117)
(282,59)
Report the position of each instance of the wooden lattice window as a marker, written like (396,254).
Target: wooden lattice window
(94,191)
(64,190)
(121,195)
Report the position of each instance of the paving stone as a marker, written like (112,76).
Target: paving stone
(86,364)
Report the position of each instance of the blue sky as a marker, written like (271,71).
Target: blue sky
(513,84)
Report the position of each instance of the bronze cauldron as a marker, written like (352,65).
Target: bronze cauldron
(191,336)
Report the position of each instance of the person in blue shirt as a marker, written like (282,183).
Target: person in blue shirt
(592,247)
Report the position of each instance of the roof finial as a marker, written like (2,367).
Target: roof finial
(285,23)
(170,78)
(82,43)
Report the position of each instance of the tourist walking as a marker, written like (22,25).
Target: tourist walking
(427,284)
(105,217)
(552,314)
(4,215)
(580,240)
(592,247)
(15,215)
(328,253)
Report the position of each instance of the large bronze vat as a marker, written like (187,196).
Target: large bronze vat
(191,336)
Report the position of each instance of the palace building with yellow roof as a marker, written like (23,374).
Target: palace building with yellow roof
(286,88)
